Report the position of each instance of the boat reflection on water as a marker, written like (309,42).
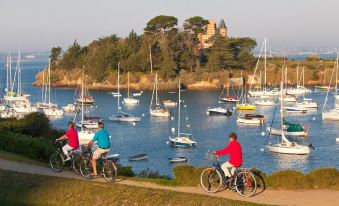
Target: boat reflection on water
(293,162)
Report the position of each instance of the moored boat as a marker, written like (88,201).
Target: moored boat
(219,111)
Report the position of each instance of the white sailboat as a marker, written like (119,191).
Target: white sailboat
(158,110)
(122,116)
(50,110)
(130,100)
(306,103)
(286,146)
(181,139)
(334,113)
(85,134)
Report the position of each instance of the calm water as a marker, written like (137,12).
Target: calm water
(150,135)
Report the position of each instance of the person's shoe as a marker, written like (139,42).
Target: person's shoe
(68,158)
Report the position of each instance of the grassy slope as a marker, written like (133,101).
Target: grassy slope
(19,158)
(26,189)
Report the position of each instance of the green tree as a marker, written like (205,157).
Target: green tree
(195,24)
(161,24)
(55,56)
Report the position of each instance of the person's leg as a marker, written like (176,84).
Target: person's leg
(225,167)
(65,150)
(96,155)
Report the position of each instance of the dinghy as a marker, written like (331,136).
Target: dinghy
(219,111)
(295,109)
(114,157)
(138,157)
(177,159)
(169,103)
(251,119)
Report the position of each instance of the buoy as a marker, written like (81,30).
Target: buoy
(186,118)
(134,124)
(119,107)
(313,118)
(143,115)
(172,118)
(337,139)
(188,126)
(185,105)
(173,129)
(262,149)
(233,108)
(262,133)
(167,142)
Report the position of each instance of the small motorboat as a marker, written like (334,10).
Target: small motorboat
(251,119)
(137,94)
(177,159)
(264,102)
(245,107)
(219,111)
(306,104)
(159,111)
(124,117)
(230,99)
(115,94)
(131,101)
(169,103)
(69,108)
(295,110)
(113,157)
(138,157)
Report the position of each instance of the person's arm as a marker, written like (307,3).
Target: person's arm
(62,137)
(95,138)
(224,151)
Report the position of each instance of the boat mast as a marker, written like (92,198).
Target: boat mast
(7,74)
(82,96)
(150,58)
(19,74)
(43,86)
(10,73)
(265,57)
(336,76)
(179,103)
(49,84)
(128,85)
(298,75)
(118,87)
(156,90)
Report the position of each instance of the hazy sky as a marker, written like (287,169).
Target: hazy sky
(37,25)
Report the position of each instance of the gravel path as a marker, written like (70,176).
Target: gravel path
(274,197)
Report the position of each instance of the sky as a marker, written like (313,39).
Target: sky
(38,25)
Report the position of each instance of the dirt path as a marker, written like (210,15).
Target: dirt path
(274,197)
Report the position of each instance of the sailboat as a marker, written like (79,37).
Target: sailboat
(334,113)
(264,101)
(50,110)
(181,139)
(158,110)
(85,134)
(130,100)
(122,116)
(228,98)
(306,103)
(244,105)
(300,89)
(286,146)
(84,97)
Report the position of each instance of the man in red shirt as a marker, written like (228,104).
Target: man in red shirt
(73,140)
(234,149)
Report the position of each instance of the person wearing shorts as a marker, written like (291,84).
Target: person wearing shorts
(102,138)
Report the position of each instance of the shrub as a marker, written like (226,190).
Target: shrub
(324,178)
(288,179)
(148,173)
(125,171)
(34,148)
(187,175)
(35,124)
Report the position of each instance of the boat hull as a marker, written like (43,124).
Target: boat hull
(284,149)
(275,131)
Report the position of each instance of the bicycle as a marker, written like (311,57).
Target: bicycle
(57,160)
(106,165)
(242,181)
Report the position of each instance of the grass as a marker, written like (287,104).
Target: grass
(27,189)
(15,157)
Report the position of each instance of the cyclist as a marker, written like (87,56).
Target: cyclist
(235,151)
(102,138)
(73,140)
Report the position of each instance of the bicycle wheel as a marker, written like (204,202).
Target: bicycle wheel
(210,180)
(86,168)
(76,160)
(109,171)
(57,161)
(245,183)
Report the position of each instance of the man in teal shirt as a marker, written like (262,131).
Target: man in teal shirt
(104,144)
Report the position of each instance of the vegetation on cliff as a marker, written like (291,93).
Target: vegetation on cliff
(173,50)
